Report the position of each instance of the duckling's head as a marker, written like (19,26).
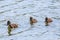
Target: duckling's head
(8,22)
(30,18)
(46,19)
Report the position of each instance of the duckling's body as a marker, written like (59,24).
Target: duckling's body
(32,21)
(47,21)
(14,25)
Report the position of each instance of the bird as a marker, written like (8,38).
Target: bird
(12,25)
(32,20)
(47,21)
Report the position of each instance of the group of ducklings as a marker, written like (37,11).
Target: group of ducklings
(32,21)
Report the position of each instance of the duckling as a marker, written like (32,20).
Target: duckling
(12,25)
(32,21)
(47,21)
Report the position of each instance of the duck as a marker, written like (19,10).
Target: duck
(32,20)
(47,21)
(12,25)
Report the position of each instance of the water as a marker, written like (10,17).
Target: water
(19,11)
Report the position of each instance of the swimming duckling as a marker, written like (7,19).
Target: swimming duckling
(12,25)
(32,21)
(47,21)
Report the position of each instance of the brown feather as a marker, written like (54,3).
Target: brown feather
(49,20)
(14,25)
